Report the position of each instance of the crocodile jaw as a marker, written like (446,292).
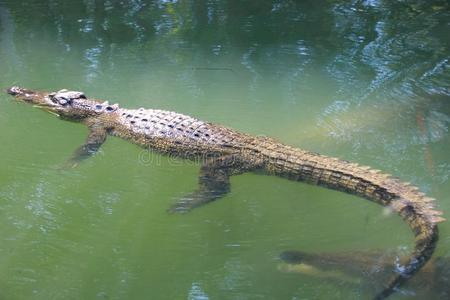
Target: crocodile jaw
(40,100)
(70,105)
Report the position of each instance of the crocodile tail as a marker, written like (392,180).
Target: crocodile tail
(414,207)
(426,236)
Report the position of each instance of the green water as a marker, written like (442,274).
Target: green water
(367,81)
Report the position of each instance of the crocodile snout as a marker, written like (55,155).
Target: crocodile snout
(24,94)
(14,90)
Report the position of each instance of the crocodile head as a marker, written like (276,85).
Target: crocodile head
(72,105)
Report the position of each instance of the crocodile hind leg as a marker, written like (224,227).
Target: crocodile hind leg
(214,181)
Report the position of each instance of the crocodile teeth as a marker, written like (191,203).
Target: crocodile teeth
(46,109)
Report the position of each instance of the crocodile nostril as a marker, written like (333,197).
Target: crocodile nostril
(14,90)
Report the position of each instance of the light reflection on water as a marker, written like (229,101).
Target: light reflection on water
(362,80)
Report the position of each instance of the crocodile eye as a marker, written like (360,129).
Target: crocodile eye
(64,101)
(109,108)
(98,107)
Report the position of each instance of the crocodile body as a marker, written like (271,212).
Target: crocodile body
(224,152)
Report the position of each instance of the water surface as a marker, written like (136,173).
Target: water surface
(367,81)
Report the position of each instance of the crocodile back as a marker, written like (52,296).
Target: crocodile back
(153,128)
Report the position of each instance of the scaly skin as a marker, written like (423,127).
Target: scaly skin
(224,152)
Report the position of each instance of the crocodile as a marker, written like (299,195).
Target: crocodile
(224,152)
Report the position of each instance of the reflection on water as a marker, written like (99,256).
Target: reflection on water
(350,269)
(362,80)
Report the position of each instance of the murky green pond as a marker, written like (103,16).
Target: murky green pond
(367,81)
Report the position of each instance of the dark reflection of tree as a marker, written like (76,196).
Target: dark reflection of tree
(382,35)
(396,56)
(8,49)
(394,40)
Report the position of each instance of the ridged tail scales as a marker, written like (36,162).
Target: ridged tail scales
(413,206)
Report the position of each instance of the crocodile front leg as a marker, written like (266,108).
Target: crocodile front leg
(96,138)
(214,181)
